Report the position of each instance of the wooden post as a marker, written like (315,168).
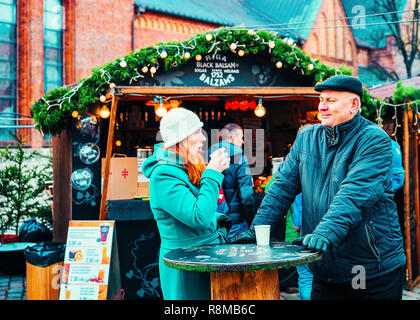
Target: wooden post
(406,143)
(109,147)
(62,190)
(245,285)
(416,197)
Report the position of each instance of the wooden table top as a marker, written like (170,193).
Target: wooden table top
(239,257)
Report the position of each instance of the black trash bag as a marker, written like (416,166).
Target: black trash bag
(33,231)
(45,253)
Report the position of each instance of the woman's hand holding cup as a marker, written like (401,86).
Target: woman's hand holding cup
(219,160)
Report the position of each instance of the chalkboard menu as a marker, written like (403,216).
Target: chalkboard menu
(228,70)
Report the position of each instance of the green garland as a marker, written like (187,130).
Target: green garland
(53,109)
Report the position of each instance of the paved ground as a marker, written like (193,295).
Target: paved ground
(13,287)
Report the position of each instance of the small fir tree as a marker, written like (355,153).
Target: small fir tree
(22,187)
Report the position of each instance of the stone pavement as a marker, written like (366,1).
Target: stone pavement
(13,287)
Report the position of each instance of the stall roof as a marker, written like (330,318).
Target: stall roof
(387,90)
(285,14)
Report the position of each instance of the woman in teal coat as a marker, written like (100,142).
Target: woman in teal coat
(183,199)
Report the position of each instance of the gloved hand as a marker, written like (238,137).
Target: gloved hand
(247,236)
(316,242)
(223,221)
(297,241)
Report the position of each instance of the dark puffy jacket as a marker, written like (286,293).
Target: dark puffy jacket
(344,174)
(237,184)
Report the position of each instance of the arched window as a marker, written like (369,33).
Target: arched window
(7,66)
(331,29)
(340,40)
(313,47)
(323,35)
(53,44)
(349,52)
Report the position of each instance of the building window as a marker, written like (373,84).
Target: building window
(323,35)
(53,44)
(340,40)
(349,52)
(7,68)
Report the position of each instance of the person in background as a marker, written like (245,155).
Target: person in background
(292,232)
(398,172)
(183,198)
(237,184)
(343,168)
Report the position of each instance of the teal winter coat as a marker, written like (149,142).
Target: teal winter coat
(186,216)
(344,174)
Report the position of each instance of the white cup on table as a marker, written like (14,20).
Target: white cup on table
(262,233)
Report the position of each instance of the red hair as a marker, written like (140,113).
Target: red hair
(194,170)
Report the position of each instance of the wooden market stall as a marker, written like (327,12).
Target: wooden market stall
(222,81)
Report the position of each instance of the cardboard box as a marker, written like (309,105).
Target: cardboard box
(122,183)
(142,189)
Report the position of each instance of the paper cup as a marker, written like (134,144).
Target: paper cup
(262,233)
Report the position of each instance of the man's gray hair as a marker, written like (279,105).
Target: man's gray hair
(228,131)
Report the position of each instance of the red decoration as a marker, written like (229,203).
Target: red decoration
(242,105)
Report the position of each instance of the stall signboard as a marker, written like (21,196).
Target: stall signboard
(91,270)
(227,70)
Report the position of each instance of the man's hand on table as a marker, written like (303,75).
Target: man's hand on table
(313,241)
(247,236)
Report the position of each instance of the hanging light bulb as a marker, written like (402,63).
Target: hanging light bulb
(259,109)
(75,114)
(187,55)
(164,54)
(160,110)
(104,112)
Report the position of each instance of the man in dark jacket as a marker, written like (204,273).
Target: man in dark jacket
(237,184)
(343,168)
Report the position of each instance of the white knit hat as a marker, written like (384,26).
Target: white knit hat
(177,125)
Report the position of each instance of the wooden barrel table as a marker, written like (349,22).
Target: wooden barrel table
(241,271)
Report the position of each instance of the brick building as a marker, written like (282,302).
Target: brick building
(50,43)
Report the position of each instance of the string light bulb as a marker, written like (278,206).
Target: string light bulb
(271,44)
(102,98)
(118,143)
(164,54)
(144,69)
(187,55)
(209,37)
(311,67)
(104,112)
(259,109)
(153,70)
(279,64)
(75,114)
(233,46)
(290,41)
(241,53)
(198,57)
(123,64)
(160,110)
